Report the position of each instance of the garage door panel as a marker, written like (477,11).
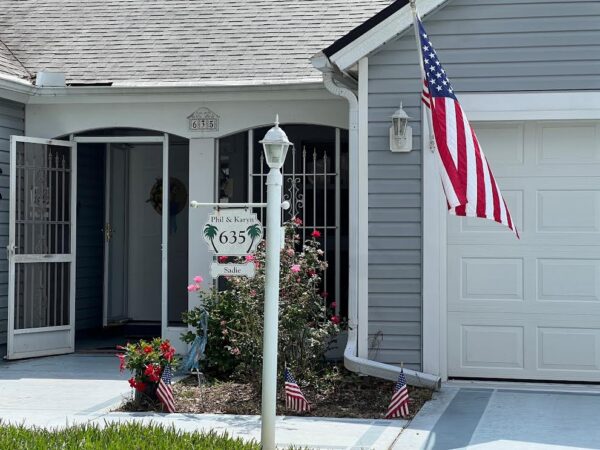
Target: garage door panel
(568,143)
(503,142)
(569,281)
(543,346)
(568,211)
(485,278)
(568,349)
(555,280)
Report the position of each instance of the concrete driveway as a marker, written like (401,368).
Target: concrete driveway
(43,389)
(507,416)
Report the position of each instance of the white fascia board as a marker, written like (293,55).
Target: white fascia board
(391,27)
(15,89)
(161,93)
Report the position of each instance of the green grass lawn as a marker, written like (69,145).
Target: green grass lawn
(131,436)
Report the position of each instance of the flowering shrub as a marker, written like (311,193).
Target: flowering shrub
(235,315)
(146,361)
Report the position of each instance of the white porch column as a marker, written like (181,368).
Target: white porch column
(201,189)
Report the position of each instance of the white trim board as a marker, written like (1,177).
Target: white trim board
(363,209)
(391,27)
(481,107)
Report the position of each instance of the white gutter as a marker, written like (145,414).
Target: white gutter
(352,361)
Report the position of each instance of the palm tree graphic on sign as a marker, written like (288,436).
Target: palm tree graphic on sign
(253,232)
(210,231)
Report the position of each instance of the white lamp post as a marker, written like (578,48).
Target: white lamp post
(275,145)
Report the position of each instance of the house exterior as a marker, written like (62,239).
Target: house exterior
(179,92)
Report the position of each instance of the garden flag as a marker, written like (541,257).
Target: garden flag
(399,404)
(164,391)
(470,187)
(294,399)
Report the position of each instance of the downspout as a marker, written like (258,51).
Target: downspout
(352,361)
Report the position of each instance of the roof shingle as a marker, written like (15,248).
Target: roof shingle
(128,41)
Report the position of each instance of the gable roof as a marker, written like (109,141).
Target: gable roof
(372,34)
(177,41)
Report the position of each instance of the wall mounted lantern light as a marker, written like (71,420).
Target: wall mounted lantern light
(400,132)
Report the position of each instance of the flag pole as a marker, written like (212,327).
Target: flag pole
(413,6)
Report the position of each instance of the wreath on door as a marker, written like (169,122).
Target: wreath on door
(178,196)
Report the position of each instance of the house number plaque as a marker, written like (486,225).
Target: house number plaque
(232,232)
(203,119)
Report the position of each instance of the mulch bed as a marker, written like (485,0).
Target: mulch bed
(345,395)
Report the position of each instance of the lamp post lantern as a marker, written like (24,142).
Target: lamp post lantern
(275,145)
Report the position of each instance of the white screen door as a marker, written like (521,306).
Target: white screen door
(41,249)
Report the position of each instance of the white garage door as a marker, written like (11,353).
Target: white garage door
(530,309)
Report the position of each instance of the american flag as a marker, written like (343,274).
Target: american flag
(399,404)
(294,399)
(164,391)
(470,187)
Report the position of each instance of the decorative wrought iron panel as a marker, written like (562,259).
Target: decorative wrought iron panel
(314,186)
(42,295)
(43,213)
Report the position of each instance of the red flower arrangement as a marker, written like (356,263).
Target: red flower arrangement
(146,360)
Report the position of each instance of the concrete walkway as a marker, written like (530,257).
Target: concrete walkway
(60,385)
(507,416)
(58,391)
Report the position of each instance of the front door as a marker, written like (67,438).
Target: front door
(115,234)
(41,249)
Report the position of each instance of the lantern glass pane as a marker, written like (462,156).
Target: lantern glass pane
(399,127)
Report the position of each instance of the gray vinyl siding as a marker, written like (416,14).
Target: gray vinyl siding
(492,46)
(12,122)
(90,242)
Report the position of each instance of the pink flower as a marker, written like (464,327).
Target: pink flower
(121,362)
(198,279)
(297,220)
(222,259)
(253,293)
(295,268)
(250,258)
(235,351)
(333,305)
(335,319)
(290,252)
(316,234)
(192,288)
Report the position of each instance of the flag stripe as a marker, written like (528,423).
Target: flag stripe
(461,145)
(445,155)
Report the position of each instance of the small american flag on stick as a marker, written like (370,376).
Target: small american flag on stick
(294,399)
(164,391)
(470,187)
(399,404)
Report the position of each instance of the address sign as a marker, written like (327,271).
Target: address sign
(233,232)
